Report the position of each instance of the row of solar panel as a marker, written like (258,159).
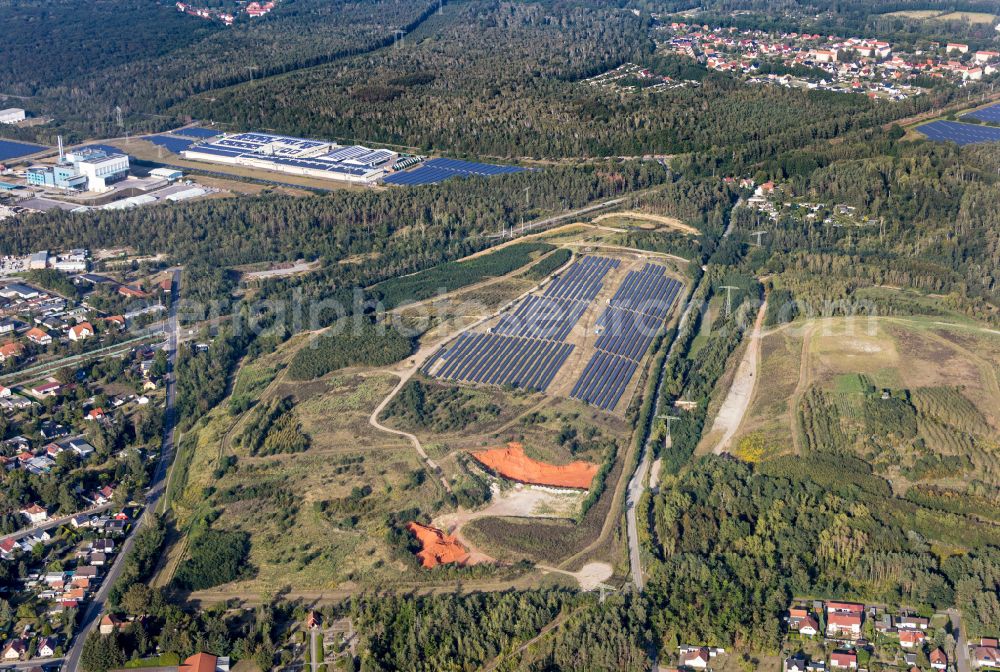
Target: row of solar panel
(542,317)
(626,333)
(493,359)
(437,170)
(196,132)
(175,145)
(628,326)
(581,281)
(959,133)
(604,380)
(12,150)
(471,167)
(648,291)
(991,113)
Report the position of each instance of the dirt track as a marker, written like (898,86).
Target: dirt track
(671,222)
(730,415)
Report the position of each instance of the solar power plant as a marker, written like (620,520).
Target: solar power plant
(582,281)
(195,132)
(526,347)
(437,170)
(604,380)
(542,317)
(959,133)
(107,149)
(175,145)
(991,113)
(493,359)
(12,150)
(628,326)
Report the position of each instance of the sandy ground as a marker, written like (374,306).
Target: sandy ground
(590,576)
(522,501)
(671,222)
(730,415)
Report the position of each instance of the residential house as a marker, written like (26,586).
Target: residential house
(109,624)
(79,332)
(7,548)
(94,414)
(15,649)
(79,521)
(98,559)
(38,336)
(81,447)
(695,658)
(986,656)
(909,639)
(205,662)
(939,660)
(87,572)
(132,292)
(116,320)
(103,545)
(843,625)
(35,513)
(11,350)
(796,663)
(5,392)
(844,660)
(912,622)
(102,496)
(46,647)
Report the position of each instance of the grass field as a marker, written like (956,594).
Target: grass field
(937,15)
(918,398)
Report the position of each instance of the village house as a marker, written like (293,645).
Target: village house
(79,332)
(109,624)
(939,660)
(46,647)
(35,513)
(909,639)
(11,350)
(844,660)
(14,649)
(38,336)
(695,657)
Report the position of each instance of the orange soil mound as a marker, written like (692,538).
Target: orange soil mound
(512,463)
(438,547)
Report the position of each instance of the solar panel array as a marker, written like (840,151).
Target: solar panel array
(12,150)
(628,326)
(437,170)
(991,113)
(196,132)
(175,145)
(526,348)
(959,133)
(504,360)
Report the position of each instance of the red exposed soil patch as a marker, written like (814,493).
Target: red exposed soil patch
(512,463)
(438,548)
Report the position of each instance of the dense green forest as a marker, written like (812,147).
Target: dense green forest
(483,64)
(144,56)
(349,342)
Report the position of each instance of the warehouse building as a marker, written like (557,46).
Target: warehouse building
(11,115)
(296,156)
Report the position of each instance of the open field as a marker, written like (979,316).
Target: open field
(918,398)
(937,15)
(644,220)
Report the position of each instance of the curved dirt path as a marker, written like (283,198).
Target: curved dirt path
(670,222)
(734,408)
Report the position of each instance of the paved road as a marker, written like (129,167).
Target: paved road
(637,484)
(96,606)
(56,522)
(961,661)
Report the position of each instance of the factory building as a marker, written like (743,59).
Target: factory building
(11,115)
(296,156)
(83,169)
